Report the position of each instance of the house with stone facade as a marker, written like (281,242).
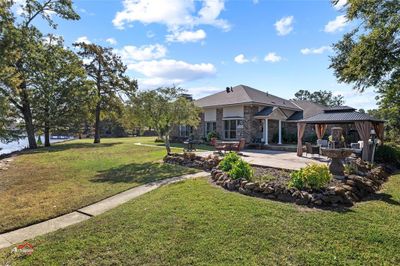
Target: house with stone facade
(259,117)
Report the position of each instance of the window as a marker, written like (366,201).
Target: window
(185,131)
(210,127)
(231,128)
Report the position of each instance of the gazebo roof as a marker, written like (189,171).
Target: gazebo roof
(339,117)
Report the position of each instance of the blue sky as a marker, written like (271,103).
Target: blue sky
(204,46)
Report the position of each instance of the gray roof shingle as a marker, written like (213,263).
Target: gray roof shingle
(309,109)
(244,94)
(265,111)
(342,108)
(340,117)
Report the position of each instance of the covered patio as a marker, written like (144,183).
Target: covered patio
(271,114)
(364,124)
(274,159)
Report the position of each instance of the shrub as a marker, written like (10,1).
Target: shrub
(229,160)
(241,169)
(350,168)
(312,176)
(389,154)
(211,135)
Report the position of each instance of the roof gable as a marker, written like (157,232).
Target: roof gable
(242,94)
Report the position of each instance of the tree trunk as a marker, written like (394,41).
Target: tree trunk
(167,144)
(27,114)
(97,125)
(46,128)
(30,130)
(46,135)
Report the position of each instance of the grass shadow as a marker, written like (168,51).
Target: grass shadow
(181,146)
(67,146)
(140,173)
(387,198)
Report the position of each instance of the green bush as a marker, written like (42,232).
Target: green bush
(241,169)
(229,160)
(211,135)
(312,176)
(388,154)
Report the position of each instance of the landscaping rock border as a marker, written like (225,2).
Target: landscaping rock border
(353,188)
(345,192)
(190,159)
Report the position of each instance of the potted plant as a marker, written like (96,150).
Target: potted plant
(212,137)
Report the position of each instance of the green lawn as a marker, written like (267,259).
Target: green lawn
(199,147)
(52,181)
(194,222)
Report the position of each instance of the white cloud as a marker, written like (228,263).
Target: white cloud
(177,15)
(272,57)
(169,71)
(241,59)
(130,53)
(284,26)
(210,12)
(83,39)
(320,50)
(199,92)
(173,12)
(186,36)
(340,4)
(337,24)
(111,41)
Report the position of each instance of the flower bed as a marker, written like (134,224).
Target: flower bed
(353,188)
(274,184)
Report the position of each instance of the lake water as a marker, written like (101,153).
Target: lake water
(18,145)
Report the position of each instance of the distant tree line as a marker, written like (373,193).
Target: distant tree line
(323,97)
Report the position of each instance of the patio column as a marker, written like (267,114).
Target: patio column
(266,132)
(280,132)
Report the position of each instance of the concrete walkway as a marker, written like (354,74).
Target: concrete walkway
(29,232)
(276,159)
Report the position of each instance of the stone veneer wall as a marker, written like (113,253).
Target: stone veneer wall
(251,126)
(199,131)
(220,122)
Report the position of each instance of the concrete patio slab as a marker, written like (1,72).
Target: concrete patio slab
(112,202)
(32,231)
(276,159)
